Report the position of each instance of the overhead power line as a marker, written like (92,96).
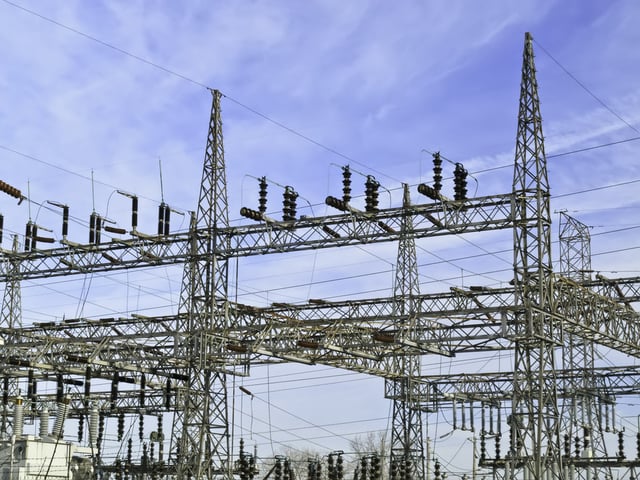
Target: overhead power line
(586,89)
(188,79)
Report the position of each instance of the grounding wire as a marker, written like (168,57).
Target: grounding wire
(307,378)
(58,167)
(103,276)
(299,438)
(594,189)
(469,361)
(335,424)
(270,424)
(330,434)
(298,417)
(386,272)
(584,87)
(314,385)
(594,147)
(106,44)
(197,83)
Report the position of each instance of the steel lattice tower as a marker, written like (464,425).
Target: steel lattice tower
(534,425)
(580,418)
(10,318)
(407,445)
(11,313)
(204,437)
(575,249)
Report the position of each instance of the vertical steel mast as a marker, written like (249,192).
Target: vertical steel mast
(407,450)
(11,313)
(534,423)
(203,427)
(10,318)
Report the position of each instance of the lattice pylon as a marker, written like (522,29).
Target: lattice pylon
(534,419)
(11,313)
(407,444)
(11,318)
(202,427)
(575,248)
(580,417)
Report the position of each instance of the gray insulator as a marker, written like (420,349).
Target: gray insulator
(61,416)
(94,418)
(18,417)
(44,422)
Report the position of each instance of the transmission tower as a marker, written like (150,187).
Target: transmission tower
(10,319)
(581,422)
(534,422)
(407,447)
(204,436)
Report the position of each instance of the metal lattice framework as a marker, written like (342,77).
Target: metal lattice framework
(407,447)
(146,366)
(534,420)
(586,398)
(204,437)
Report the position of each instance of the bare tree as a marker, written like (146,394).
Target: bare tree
(373,443)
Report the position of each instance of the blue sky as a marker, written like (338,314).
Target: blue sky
(379,82)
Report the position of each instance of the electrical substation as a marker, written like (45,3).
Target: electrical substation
(164,380)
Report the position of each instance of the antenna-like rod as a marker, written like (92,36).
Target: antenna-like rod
(161,185)
(29,197)
(93,193)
